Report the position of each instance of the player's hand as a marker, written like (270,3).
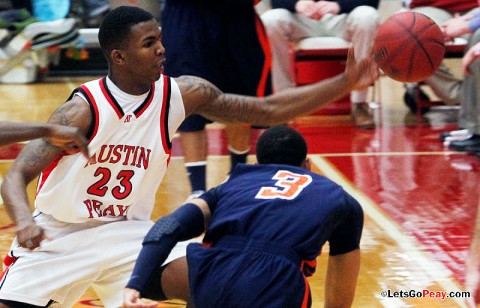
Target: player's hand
(70,139)
(361,73)
(472,54)
(30,236)
(131,299)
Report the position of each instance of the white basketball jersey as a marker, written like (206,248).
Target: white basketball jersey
(129,148)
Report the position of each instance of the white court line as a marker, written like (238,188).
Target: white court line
(434,269)
(439,153)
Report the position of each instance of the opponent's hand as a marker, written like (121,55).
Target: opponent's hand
(131,299)
(30,236)
(361,73)
(70,139)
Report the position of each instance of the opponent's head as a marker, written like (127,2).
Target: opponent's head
(116,26)
(281,145)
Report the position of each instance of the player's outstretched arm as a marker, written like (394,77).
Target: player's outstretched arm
(34,158)
(68,138)
(200,96)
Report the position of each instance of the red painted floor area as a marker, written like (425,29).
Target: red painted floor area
(430,192)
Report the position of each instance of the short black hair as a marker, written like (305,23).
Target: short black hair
(116,26)
(281,145)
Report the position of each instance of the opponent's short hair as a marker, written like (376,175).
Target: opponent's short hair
(116,26)
(281,145)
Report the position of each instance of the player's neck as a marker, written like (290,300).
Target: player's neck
(129,86)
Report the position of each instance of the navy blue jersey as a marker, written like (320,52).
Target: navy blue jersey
(297,208)
(268,225)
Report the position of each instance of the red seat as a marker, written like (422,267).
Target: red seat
(319,58)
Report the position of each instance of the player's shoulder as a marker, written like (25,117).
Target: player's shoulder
(189,81)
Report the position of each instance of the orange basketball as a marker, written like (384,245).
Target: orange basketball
(409,46)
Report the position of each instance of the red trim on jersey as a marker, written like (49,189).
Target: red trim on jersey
(306,296)
(93,103)
(167,146)
(110,100)
(146,104)
(46,173)
(267,64)
(308,267)
(7,262)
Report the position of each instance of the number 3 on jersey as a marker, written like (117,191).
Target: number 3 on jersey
(288,186)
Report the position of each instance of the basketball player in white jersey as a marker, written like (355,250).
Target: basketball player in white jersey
(66,137)
(91,215)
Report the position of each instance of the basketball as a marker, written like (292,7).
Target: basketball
(409,46)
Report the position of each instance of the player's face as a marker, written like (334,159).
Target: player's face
(145,54)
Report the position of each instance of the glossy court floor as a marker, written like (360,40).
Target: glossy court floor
(419,198)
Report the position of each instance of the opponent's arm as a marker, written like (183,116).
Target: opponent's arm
(188,221)
(68,138)
(341,281)
(344,258)
(34,158)
(200,96)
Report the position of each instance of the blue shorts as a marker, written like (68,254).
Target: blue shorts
(194,123)
(228,275)
(225,45)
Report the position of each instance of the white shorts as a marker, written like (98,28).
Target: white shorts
(76,257)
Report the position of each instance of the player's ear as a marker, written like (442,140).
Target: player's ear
(117,56)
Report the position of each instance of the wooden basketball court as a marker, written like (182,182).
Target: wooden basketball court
(419,198)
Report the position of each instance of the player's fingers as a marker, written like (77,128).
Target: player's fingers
(78,144)
(83,146)
(138,303)
(31,243)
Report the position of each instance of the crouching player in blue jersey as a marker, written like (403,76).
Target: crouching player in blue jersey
(265,226)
